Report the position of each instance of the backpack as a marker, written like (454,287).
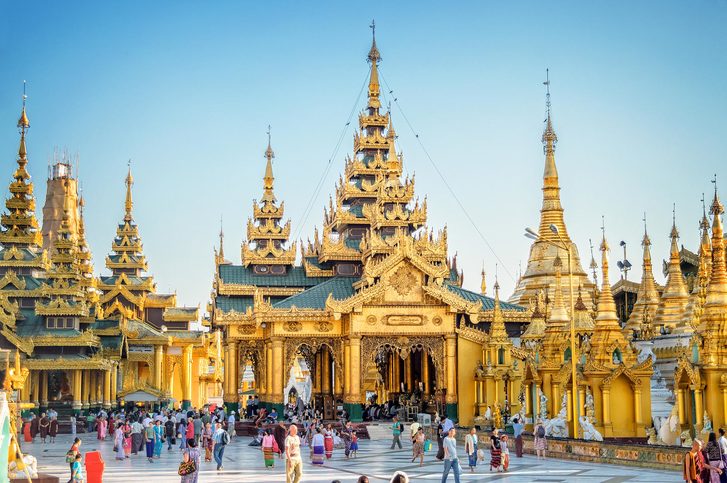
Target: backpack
(70,456)
(225,439)
(540,433)
(496,443)
(401,427)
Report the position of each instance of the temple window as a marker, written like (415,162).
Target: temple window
(501,356)
(617,359)
(566,354)
(695,354)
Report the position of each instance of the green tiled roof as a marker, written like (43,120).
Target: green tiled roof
(34,325)
(133,280)
(487,302)
(103,324)
(111,341)
(31,283)
(28,254)
(295,277)
(228,304)
(185,334)
(315,298)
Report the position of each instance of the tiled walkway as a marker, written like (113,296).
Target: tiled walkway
(244,463)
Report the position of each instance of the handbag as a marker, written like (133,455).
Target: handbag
(70,456)
(427,444)
(187,468)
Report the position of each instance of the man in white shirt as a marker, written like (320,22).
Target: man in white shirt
(451,462)
(231,424)
(294,464)
(221,439)
(722,442)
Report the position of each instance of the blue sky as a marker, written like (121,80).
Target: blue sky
(186,90)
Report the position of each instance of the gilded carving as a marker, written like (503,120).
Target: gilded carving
(400,320)
(403,281)
(371,320)
(323,326)
(437,320)
(246,329)
(293,326)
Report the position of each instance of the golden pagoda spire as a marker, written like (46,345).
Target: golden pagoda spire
(558,314)
(647,299)
(716,303)
(483,282)
(266,236)
(19,224)
(222,242)
(129,204)
(674,299)
(552,211)
(374,58)
(84,256)
(705,246)
(606,318)
(497,328)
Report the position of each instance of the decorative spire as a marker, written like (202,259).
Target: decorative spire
(129,204)
(606,318)
(266,236)
(552,211)
(374,58)
(674,299)
(647,299)
(498,333)
(716,303)
(483,283)
(222,241)
(558,314)
(268,179)
(19,225)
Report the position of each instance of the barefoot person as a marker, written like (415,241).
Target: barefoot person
(451,462)
(293,463)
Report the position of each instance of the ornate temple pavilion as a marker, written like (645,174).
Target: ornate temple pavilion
(91,342)
(375,307)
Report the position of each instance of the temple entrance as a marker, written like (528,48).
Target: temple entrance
(315,375)
(401,381)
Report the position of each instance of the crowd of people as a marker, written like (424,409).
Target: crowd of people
(707,462)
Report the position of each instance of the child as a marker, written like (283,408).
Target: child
(505,452)
(77,469)
(354,444)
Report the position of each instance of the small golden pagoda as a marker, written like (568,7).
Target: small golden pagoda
(647,301)
(674,298)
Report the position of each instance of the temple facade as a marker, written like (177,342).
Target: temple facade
(374,310)
(91,342)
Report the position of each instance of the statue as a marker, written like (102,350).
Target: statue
(497,417)
(479,369)
(590,433)
(651,435)
(686,439)
(669,429)
(506,410)
(488,414)
(521,400)
(590,405)
(707,426)
(543,405)
(557,426)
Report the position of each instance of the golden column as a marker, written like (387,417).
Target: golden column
(107,388)
(318,380)
(407,371)
(226,375)
(77,391)
(269,372)
(346,369)
(231,376)
(425,371)
(44,389)
(355,356)
(187,377)
(680,406)
(698,407)
(35,380)
(606,410)
(637,410)
(396,372)
(278,371)
(337,380)
(114,383)
(451,369)
(326,372)
(159,367)
(84,388)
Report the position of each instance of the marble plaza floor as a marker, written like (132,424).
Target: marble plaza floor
(243,463)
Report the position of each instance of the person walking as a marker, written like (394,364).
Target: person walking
(137,437)
(451,462)
(127,438)
(268,444)
(294,464)
(714,458)
(119,442)
(149,441)
(505,452)
(541,442)
(77,469)
(495,451)
(158,438)
(396,429)
(44,426)
(470,447)
(71,455)
(73,424)
(279,432)
(318,444)
(518,428)
(328,441)
(231,425)
(169,432)
(417,449)
(191,454)
(53,429)
(221,439)
(207,442)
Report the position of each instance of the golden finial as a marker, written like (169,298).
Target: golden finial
(674,232)
(704,224)
(374,58)
(222,240)
(129,204)
(593,266)
(23,122)
(483,283)
(646,241)
(549,136)
(717,208)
